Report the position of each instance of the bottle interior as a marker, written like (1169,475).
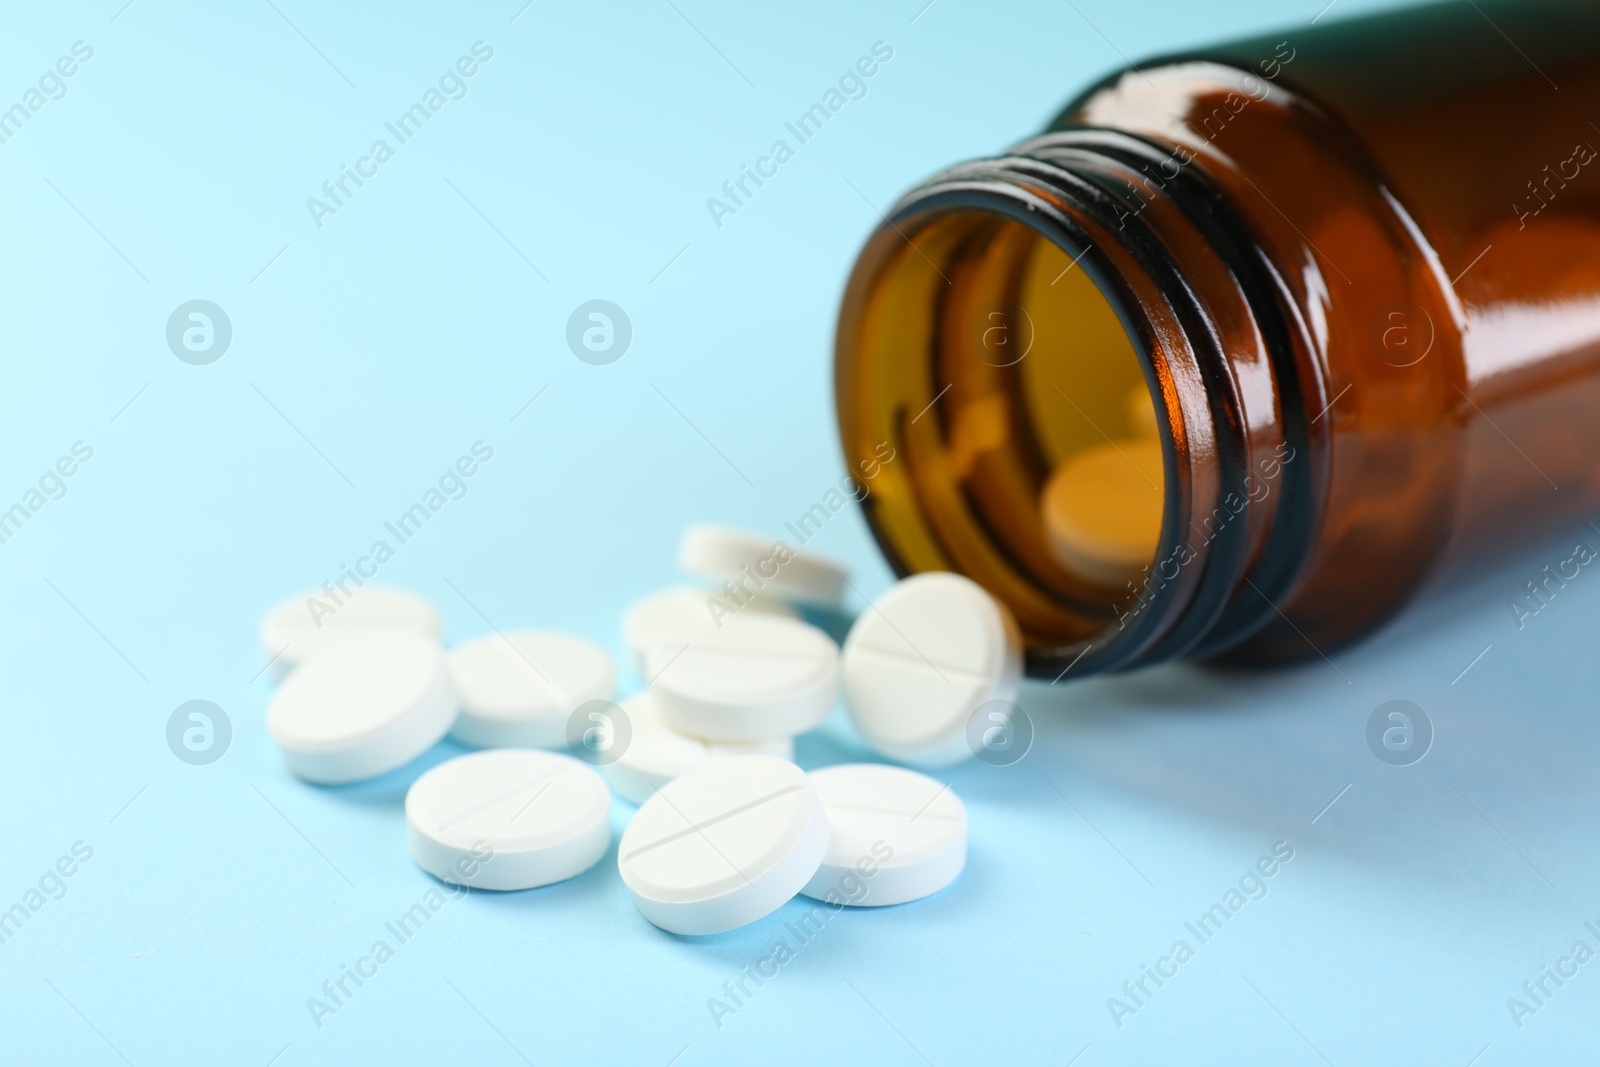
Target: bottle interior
(1027,437)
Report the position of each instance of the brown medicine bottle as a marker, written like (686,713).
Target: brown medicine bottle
(1252,342)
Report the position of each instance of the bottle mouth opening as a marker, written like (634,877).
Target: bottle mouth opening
(1002,363)
(995,332)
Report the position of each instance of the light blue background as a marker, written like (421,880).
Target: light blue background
(416,322)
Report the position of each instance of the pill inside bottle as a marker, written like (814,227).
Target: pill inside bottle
(1102,509)
(1047,437)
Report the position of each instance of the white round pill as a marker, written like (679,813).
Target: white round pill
(922,659)
(756,678)
(510,818)
(656,753)
(894,835)
(363,707)
(519,688)
(760,564)
(724,845)
(300,626)
(657,617)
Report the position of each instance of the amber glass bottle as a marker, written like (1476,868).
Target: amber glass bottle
(1252,342)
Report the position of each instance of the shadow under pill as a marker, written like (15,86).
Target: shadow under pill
(835,622)
(388,791)
(579,890)
(821,748)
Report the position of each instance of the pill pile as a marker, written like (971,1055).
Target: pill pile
(727,827)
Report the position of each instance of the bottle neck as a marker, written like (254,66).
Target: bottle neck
(1203,314)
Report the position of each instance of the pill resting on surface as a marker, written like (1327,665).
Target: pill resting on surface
(724,845)
(511,818)
(894,835)
(362,708)
(656,753)
(520,687)
(298,627)
(655,618)
(922,659)
(760,565)
(756,678)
